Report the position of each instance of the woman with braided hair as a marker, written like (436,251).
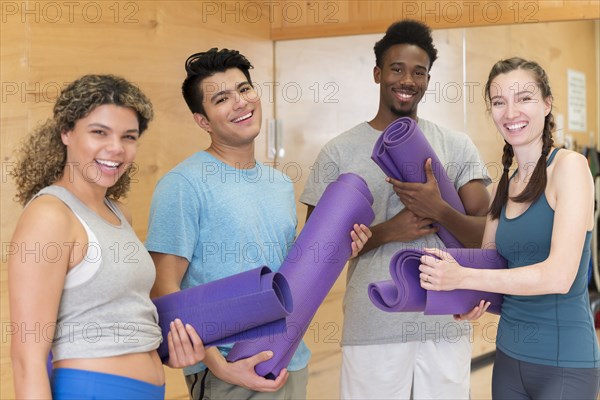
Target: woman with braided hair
(80,281)
(541,221)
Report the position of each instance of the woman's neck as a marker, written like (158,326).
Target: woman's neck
(92,197)
(527,158)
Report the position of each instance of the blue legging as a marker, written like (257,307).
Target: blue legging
(513,379)
(71,384)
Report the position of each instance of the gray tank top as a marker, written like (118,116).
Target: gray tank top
(110,313)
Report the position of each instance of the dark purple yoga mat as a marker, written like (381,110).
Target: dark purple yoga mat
(404,292)
(313,265)
(49,365)
(240,307)
(401,152)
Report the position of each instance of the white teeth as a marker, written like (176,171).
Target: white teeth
(107,163)
(243,117)
(513,127)
(404,95)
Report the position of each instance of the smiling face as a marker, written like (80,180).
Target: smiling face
(101,146)
(232,107)
(518,107)
(402,79)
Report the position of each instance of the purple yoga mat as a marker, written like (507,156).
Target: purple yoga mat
(49,365)
(401,152)
(312,266)
(404,292)
(241,307)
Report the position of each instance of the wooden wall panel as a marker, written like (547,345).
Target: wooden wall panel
(13,117)
(148,41)
(323,18)
(557,47)
(44,47)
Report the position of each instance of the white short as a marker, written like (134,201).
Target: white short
(433,370)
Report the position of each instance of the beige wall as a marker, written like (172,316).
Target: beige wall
(144,41)
(326,18)
(558,47)
(47,44)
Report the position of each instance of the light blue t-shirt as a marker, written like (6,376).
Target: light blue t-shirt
(224,221)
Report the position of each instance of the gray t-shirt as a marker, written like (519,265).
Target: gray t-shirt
(351,152)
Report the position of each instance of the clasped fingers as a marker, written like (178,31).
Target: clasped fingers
(360,235)
(185,346)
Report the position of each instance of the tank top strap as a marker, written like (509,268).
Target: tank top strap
(116,210)
(64,195)
(551,158)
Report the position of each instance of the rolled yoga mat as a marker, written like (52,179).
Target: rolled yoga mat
(404,292)
(49,365)
(312,266)
(401,152)
(241,307)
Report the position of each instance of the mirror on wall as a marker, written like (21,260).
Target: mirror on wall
(325,86)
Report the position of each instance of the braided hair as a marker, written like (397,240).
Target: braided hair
(537,184)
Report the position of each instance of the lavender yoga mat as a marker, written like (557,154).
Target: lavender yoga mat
(312,266)
(49,365)
(404,292)
(401,152)
(240,307)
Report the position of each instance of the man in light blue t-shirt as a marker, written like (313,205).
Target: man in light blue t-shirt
(220,212)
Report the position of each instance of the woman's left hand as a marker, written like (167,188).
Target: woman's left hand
(359,235)
(440,271)
(475,313)
(185,346)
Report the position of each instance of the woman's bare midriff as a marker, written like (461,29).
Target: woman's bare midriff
(145,367)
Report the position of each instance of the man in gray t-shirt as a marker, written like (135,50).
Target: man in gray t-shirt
(390,355)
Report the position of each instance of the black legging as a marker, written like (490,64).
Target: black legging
(513,379)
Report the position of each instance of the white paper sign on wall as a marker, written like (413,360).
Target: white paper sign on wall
(576,99)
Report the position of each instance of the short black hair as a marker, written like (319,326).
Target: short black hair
(407,31)
(200,66)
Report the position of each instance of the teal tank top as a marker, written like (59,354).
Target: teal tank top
(552,329)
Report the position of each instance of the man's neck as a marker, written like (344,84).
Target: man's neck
(237,157)
(383,119)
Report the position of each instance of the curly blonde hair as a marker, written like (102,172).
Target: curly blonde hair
(42,155)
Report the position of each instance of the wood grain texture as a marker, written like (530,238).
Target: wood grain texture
(148,42)
(45,45)
(325,18)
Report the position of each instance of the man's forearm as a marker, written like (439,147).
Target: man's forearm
(466,228)
(381,235)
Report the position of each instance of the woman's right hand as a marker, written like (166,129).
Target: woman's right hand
(440,271)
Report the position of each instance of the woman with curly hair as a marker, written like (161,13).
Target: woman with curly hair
(81,279)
